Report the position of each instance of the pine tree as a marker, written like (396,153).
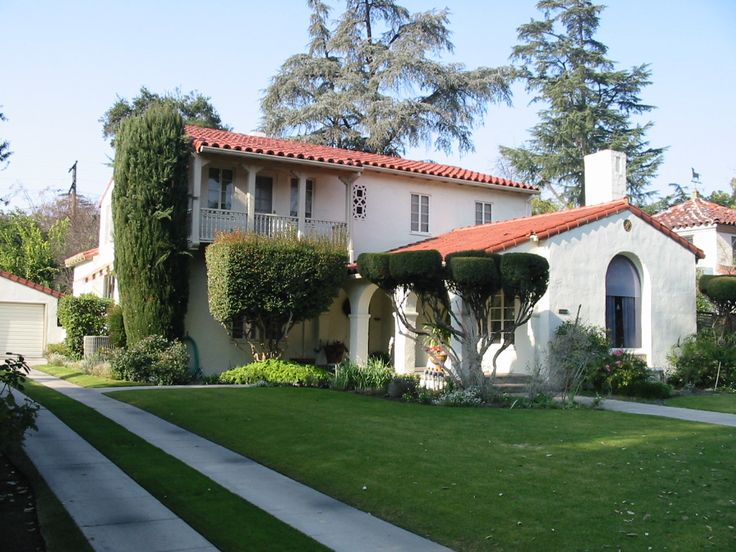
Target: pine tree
(4,146)
(369,82)
(149,220)
(588,105)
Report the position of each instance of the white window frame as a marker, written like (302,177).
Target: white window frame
(222,195)
(421,225)
(484,206)
(501,315)
(294,189)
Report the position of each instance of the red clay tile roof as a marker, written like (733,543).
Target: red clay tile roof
(82,257)
(301,150)
(696,211)
(498,236)
(28,283)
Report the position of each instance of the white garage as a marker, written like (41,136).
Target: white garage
(28,319)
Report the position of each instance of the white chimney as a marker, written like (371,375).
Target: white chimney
(605,176)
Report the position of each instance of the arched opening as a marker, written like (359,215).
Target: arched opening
(623,303)
(381,325)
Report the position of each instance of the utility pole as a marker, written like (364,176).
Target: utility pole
(73,191)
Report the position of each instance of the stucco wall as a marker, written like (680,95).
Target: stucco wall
(579,260)
(388,211)
(13,292)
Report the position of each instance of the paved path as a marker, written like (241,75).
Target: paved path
(326,520)
(647,409)
(113,511)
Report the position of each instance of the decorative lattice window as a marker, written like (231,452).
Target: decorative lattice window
(359,201)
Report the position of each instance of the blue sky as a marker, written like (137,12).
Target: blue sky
(65,63)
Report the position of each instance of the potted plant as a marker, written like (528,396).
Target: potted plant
(334,351)
(436,338)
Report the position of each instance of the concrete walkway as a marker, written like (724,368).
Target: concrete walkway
(326,520)
(113,511)
(689,414)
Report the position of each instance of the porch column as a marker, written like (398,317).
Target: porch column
(404,341)
(301,205)
(196,191)
(348,180)
(359,292)
(250,196)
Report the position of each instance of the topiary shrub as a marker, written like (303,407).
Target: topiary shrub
(648,390)
(80,316)
(477,275)
(277,372)
(420,271)
(375,267)
(116,327)
(153,359)
(270,284)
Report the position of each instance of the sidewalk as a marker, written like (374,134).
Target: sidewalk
(332,523)
(113,511)
(688,414)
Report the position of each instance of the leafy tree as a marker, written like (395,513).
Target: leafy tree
(266,285)
(149,206)
(588,105)
(73,232)
(457,299)
(4,145)
(194,107)
(370,81)
(26,250)
(15,418)
(727,199)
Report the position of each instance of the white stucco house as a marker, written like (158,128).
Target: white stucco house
(28,316)
(611,264)
(367,202)
(708,226)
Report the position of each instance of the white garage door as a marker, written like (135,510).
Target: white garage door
(22,328)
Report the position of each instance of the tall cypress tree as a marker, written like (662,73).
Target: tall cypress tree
(588,104)
(149,219)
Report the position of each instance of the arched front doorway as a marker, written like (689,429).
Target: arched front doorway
(623,303)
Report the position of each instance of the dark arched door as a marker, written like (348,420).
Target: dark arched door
(623,303)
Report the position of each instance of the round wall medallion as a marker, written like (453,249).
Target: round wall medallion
(627,225)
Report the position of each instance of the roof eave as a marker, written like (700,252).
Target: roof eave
(279,158)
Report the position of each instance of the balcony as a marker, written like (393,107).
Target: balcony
(215,221)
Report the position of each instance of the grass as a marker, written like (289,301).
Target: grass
(59,531)
(226,520)
(716,402)
(484,479)
(75,375)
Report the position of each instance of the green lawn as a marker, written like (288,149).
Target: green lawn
(74,375)
(484,479)
(716,402)
(226,520)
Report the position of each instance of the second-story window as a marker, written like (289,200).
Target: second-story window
(294,209)
(220,189)
(420,213)
(482,212)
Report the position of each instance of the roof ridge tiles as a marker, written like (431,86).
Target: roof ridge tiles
(280,147)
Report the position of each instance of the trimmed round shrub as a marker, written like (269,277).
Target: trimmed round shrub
(277,372)
(524,274)
(419,270)
(153,359)
(375,267)
(475,274)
